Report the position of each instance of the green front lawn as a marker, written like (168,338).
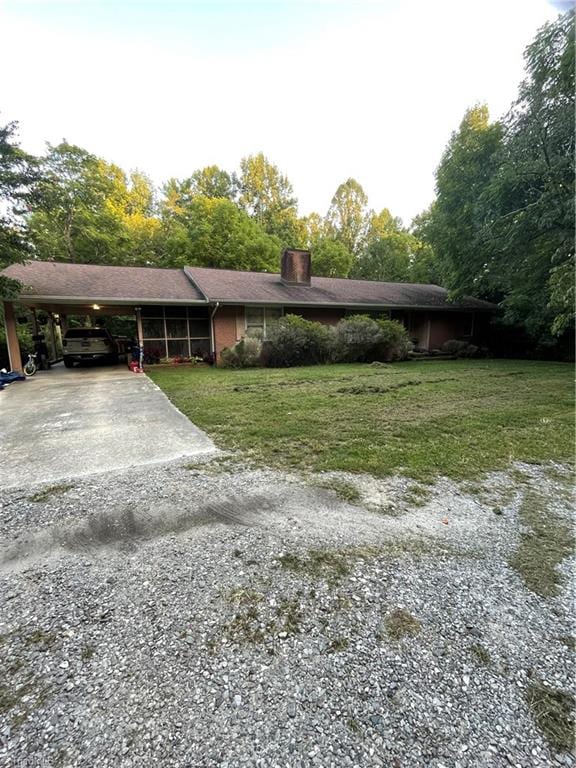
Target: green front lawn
(422,419)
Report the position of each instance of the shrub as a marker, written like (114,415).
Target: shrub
(355,339)
(395,343)
(295,341)
(459,348)
(360,339)
(244,354)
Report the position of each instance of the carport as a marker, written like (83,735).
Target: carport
(171,314)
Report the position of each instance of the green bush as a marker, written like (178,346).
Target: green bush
(244,354)
(459,348)
(355,339)
(295,341)
(360,339)
(394,341)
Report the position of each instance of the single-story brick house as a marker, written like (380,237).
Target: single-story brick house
(199,310)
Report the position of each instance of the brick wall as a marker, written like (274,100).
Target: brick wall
(431,329)
(228,327)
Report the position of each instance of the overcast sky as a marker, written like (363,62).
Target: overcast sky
(326,89)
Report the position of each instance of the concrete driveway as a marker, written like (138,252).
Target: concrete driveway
(70,423)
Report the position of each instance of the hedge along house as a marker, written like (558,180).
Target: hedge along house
(200,310)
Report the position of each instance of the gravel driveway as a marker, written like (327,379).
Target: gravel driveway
(221,615)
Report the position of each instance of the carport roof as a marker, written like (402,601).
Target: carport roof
(59,281)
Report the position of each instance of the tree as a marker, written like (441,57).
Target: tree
(330,257)
(502,225)
(530,202)
(87,211)
(18,176)
(214,232)
(213,182)
(347,216)
(75,217)
(387,258)
(462,178)
(425,267)
(382,224)
(267,196)
(392,253)
(141,195)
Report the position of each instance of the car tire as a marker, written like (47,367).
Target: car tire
(68,363)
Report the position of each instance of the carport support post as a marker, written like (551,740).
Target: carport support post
(14,354)
(140,332)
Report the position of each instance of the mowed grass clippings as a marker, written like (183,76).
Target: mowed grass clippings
(553,711)
(456,418)
(545,541)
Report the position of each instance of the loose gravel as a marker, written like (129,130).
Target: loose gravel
(223,615)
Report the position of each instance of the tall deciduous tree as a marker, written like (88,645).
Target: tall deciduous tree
(330,257)
(530,203)
(392,253)
(18,175)
(212,181)
(462,178)
(87,211)
(213,232)
(267,196)
(76,216)
(502,225)
(347,216)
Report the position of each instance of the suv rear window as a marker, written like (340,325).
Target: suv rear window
(84,333)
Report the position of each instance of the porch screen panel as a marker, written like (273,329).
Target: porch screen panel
(175,331)
(154,333)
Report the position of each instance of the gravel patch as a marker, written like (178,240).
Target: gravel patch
(222,615)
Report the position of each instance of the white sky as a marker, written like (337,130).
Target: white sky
(326,90)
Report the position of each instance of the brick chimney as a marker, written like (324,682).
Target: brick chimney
(296,267)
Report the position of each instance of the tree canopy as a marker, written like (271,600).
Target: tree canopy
(18,177)
(502,224)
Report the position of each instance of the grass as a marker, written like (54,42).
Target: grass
(51,490)
(337,645)
(553,711)
(546,541)
(87,652)
(417,495)
(331,565)
(458,418)
(482,654)
(400,623)
(343,489)
(251,625)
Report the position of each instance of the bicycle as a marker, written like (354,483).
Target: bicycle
(30,367)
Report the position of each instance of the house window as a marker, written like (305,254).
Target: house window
(259,320)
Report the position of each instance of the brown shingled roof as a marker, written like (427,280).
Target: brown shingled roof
(99,283)
(232,287)
(91,282)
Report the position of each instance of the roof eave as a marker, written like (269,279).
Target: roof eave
(350,305)
(29,298)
